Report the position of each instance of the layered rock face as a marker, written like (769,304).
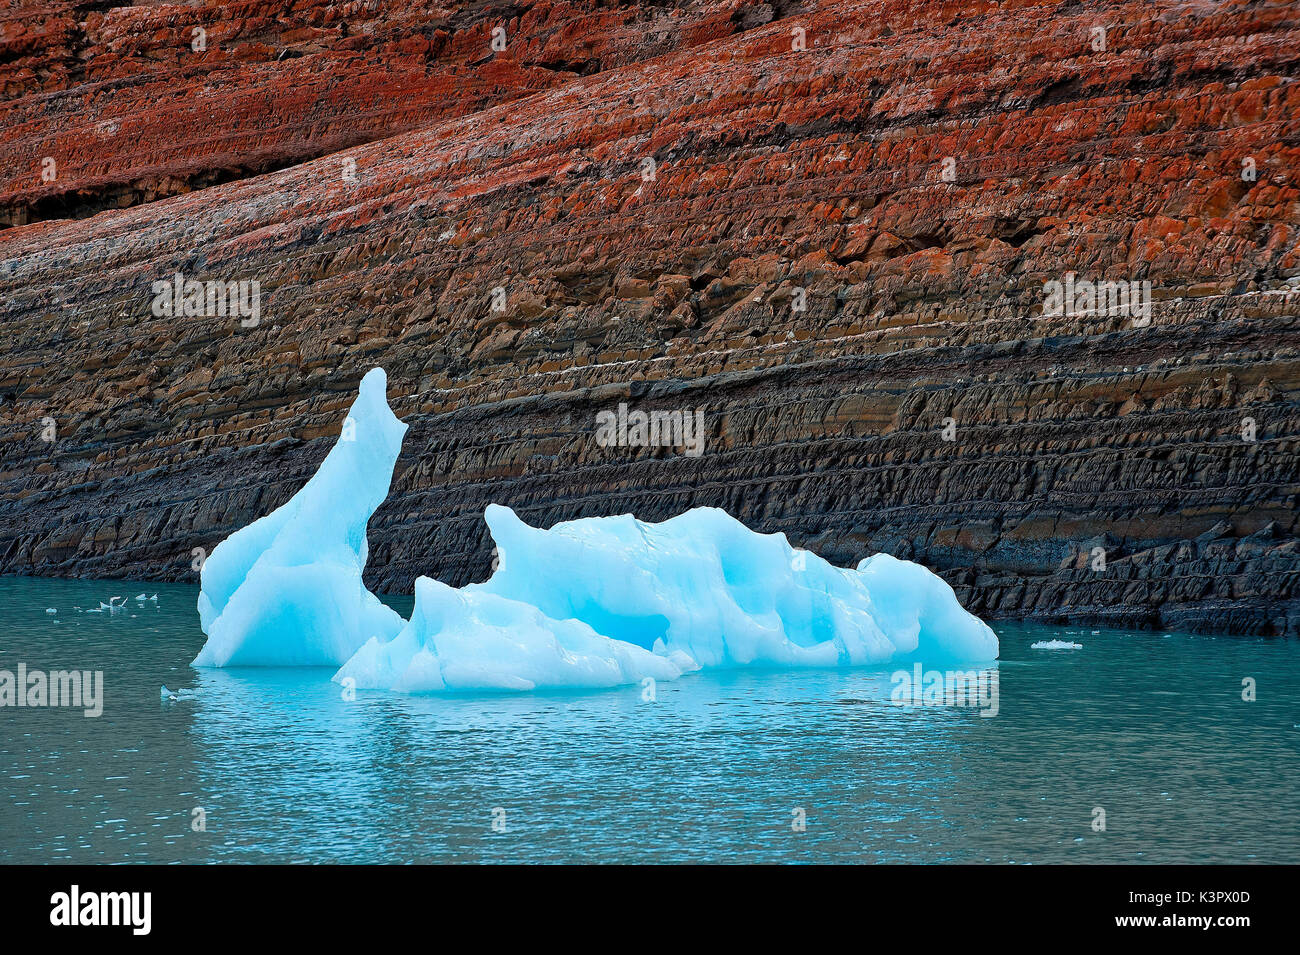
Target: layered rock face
(831,229)
(136,103)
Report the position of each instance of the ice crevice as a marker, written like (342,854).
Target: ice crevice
(594,602)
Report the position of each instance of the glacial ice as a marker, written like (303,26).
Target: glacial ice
(1055,645)
(594,602)
(286,590)
(611,600)
(471,639)
(704,584)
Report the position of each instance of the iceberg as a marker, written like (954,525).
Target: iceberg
(594,602)
(286,590)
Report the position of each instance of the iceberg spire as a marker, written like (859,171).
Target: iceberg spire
(286,590)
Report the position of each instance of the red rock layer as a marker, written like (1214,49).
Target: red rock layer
(781,176)
(133,105)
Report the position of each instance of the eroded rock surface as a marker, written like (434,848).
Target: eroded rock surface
(860,319)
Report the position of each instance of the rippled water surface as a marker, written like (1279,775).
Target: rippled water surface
(1149,727)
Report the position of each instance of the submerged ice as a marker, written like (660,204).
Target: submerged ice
(594,602)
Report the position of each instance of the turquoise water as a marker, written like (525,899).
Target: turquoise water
(1149,727)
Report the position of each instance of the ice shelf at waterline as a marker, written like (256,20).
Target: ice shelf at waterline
(596,602)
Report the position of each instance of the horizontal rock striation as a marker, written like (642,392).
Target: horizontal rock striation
(827,227)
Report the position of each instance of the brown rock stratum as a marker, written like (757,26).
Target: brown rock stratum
(838,253)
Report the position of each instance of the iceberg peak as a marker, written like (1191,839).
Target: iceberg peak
(286,590)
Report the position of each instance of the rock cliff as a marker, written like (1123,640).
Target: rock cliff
(830,227)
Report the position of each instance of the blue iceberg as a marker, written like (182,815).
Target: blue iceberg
(286,590)
(470,639)
(596,602)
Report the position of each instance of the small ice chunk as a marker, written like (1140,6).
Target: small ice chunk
(51,610)
(1055,645)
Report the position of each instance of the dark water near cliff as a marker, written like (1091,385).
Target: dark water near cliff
(1151,728)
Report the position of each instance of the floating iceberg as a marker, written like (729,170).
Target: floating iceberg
(1055,645)
(595,602)
(286,590)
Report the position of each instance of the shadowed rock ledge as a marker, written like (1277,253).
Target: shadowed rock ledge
(860,319)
